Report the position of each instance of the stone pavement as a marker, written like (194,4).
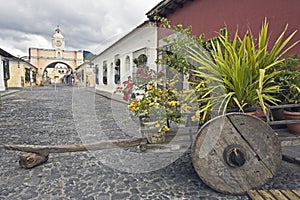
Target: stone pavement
(45,116)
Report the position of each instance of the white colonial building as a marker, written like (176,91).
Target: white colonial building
(4,68)
(85,74)
(113,65)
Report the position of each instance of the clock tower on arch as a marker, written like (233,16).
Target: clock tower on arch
(55,63)
(58,41)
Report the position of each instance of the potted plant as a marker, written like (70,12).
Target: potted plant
(289,92)
(293,114)
(238,72)
(155,107)
(287,69)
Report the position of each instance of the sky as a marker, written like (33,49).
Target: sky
(85,24)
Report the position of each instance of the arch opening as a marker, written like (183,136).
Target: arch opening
(58,72)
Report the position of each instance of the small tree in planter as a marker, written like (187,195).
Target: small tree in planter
(157,105)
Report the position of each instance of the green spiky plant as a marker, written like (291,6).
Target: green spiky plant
(238,72)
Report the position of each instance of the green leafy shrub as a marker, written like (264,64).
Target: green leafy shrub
(239,73)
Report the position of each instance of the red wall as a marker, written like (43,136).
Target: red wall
(209,16)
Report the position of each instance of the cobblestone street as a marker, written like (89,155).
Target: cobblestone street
(49,116)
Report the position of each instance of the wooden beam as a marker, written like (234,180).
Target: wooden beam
(100,145)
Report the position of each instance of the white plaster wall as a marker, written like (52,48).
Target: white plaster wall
(143,37)
(2,85)
(88,72)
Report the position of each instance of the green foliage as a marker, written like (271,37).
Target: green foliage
(159,104)
(231,73)
(289,81)
(239,73)
(175,51)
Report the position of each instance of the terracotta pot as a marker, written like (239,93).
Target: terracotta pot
(257,113)
(294,127)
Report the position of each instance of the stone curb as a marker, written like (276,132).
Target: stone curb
(291,159)
(8,92)
(291,154)
(110,96)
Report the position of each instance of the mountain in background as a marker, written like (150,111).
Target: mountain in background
(87,55)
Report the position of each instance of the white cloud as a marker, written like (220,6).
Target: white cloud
(85,24)
(16,42)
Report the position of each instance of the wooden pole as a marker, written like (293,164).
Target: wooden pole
(37,154)
(100,145)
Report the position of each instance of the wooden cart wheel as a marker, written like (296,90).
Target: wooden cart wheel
(235,153)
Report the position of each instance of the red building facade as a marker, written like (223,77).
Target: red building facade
(209,16)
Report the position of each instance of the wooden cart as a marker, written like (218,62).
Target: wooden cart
(232,153)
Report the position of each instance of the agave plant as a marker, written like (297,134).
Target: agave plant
(239,72)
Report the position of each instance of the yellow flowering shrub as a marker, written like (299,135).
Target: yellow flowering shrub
(159,103)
